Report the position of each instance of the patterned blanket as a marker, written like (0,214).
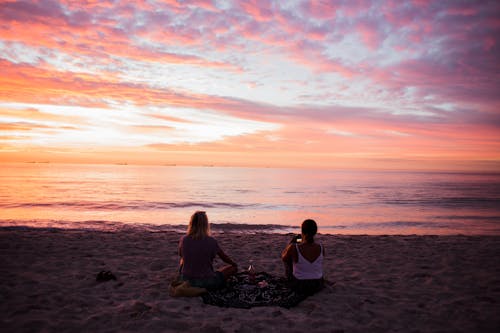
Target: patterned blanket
(266,290)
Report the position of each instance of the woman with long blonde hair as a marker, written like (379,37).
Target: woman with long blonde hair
(197,250)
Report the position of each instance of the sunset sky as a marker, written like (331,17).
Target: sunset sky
(341,84)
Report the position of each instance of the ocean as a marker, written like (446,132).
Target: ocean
(157,198)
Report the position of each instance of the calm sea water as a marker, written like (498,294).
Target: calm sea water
(248,199)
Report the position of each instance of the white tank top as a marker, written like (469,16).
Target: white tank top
(303,269)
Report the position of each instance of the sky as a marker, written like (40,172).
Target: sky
(329,84)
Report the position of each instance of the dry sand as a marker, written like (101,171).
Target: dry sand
(382,284)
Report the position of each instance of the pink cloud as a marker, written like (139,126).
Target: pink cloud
(57,88)
(205,4)
(421,3)
(25,11)
(463,10)
(311,56)
(168,118)
(260,11)
(354,8)
(369,34)
(320,9)
(150,129)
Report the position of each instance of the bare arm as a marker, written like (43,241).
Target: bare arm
(226,258)
(288,253)
(181,261)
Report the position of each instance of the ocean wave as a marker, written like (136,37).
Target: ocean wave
(452,202)
(391,225)
(102,225)
(126,205)
(469,217)
(492,227)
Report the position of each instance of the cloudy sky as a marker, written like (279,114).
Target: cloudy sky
(348,84)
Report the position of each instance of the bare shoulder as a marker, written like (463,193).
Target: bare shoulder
(289,250)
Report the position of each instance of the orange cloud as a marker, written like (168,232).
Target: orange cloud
(33,114)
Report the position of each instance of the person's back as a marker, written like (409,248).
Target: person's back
(309,263)
(198,255)
(197,250)
(304,260)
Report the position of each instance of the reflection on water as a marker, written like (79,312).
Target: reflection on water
(340,201)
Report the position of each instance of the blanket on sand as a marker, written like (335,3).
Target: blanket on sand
(266,290)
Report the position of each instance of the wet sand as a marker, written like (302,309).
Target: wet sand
(376,284)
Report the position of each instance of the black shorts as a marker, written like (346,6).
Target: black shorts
(211,283)
(308,287)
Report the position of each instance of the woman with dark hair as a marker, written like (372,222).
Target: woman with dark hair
(197,250)
(303,260)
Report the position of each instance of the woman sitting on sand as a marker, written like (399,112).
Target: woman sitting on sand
(303,260)
(198,250)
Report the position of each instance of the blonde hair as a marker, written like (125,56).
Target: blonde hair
(198,225)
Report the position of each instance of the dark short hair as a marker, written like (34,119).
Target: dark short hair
(309,227)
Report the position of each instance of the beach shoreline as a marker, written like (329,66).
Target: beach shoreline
(376,284)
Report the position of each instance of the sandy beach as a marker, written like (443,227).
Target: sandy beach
(376,284)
